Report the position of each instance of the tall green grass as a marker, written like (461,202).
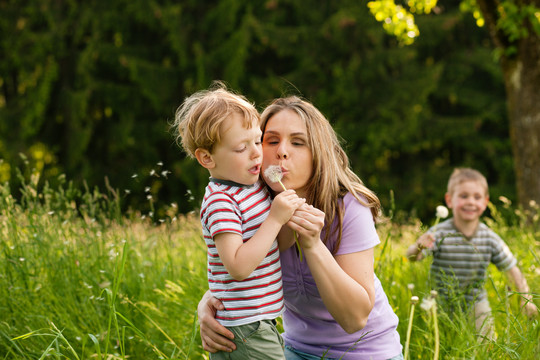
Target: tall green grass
(81,280)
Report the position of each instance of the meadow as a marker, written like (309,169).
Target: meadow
(80,279)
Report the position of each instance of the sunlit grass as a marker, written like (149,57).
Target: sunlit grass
(80,280)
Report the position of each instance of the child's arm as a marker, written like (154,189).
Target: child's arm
(516,277)
(241,258)
(414,252)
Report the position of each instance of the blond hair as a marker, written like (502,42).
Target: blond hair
(332,175)
(460,175)
(198,121)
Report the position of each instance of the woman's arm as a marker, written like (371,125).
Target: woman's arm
(214,336)
(345,282)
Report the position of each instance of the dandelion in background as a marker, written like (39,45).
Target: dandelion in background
(430,306)
(274,174)
(441,212)
(414,301)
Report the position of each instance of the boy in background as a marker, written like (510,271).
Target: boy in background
(240,223)
(463,247)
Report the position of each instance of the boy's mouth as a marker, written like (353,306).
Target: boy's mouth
(255,170)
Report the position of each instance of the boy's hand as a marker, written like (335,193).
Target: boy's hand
(284,205)
(425,241)
(529,309)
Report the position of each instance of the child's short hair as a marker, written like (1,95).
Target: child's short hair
(199,119)
(460,175)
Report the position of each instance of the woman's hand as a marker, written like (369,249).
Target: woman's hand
(214,336)
(308,222)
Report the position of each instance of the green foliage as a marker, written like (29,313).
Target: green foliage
(89,90)
(78,282)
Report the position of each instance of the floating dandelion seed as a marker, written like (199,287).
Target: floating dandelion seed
(274,174)
(160,163)
(152,172)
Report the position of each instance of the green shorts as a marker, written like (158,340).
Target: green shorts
(258,340)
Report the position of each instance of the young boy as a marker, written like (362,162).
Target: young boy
(463,247)
(239,222)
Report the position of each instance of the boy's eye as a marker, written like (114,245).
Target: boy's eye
(240,150)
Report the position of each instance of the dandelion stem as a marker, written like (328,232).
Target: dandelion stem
(436,326)
(409,329)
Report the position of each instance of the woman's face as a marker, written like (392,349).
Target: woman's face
(285,143)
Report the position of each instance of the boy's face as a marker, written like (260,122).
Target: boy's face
(467,201)
(238,156)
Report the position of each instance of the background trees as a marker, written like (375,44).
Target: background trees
(514,28)
(89,89)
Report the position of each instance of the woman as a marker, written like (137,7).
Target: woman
(335,304)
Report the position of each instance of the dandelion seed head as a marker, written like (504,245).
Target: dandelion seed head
(147,189)
(414,300)
(441,211)
(410,286)
(152,172)
(273,173)
(433,293)
(160,163)
(134,176)
(427,304)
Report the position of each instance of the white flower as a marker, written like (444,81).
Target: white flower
(273,173)
(441,212)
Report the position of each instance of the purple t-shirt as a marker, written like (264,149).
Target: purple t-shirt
(308,325)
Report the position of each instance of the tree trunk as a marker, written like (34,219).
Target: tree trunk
(522,81)
(521,71)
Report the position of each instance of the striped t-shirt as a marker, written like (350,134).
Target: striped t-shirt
(231,207)
(460,264)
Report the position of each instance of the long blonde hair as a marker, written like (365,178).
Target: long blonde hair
(332,175)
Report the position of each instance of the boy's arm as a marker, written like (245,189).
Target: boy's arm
(415,251)
(241,258)
(516,277)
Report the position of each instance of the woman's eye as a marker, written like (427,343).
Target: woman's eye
(271,141)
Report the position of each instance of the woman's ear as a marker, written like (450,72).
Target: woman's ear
(204,158)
